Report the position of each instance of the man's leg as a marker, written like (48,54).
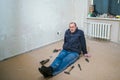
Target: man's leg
(56,63)
(48,71)
(67,61)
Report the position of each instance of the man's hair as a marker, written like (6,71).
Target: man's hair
(73,23)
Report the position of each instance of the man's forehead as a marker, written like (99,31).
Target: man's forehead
(72,25)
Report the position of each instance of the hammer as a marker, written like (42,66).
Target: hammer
(44,61)
(68,72)
(56,50)
(79,67)
(86,59)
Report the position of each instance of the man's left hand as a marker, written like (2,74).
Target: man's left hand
(87,55)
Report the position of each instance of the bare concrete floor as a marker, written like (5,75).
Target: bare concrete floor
(104,63)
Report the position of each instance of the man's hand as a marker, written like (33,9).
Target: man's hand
(87,55)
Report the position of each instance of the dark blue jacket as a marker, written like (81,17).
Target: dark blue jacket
(75,41)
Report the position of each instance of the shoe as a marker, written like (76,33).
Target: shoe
(42,72)
(49,71)
(46,71)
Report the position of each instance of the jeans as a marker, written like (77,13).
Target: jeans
(63,60)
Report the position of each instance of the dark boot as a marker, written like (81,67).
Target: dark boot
(41,70)
(46,71)
(49,71)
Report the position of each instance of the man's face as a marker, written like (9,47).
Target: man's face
(72,28)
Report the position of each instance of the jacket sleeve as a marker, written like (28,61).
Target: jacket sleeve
(83,43)
(64,36)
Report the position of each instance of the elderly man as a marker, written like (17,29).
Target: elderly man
(74,43)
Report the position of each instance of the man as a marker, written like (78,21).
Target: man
(74,43)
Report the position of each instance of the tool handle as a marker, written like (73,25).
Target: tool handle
(87,60)
(71,68)
(79,66)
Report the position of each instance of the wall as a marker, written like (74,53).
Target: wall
(30,24)
(80,11)
(7,27)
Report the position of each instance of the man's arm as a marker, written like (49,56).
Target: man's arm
(65,35)
(83,46)
(83,43)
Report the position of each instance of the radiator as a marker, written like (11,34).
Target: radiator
(99,30)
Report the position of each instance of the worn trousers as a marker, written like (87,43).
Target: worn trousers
(63,60)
